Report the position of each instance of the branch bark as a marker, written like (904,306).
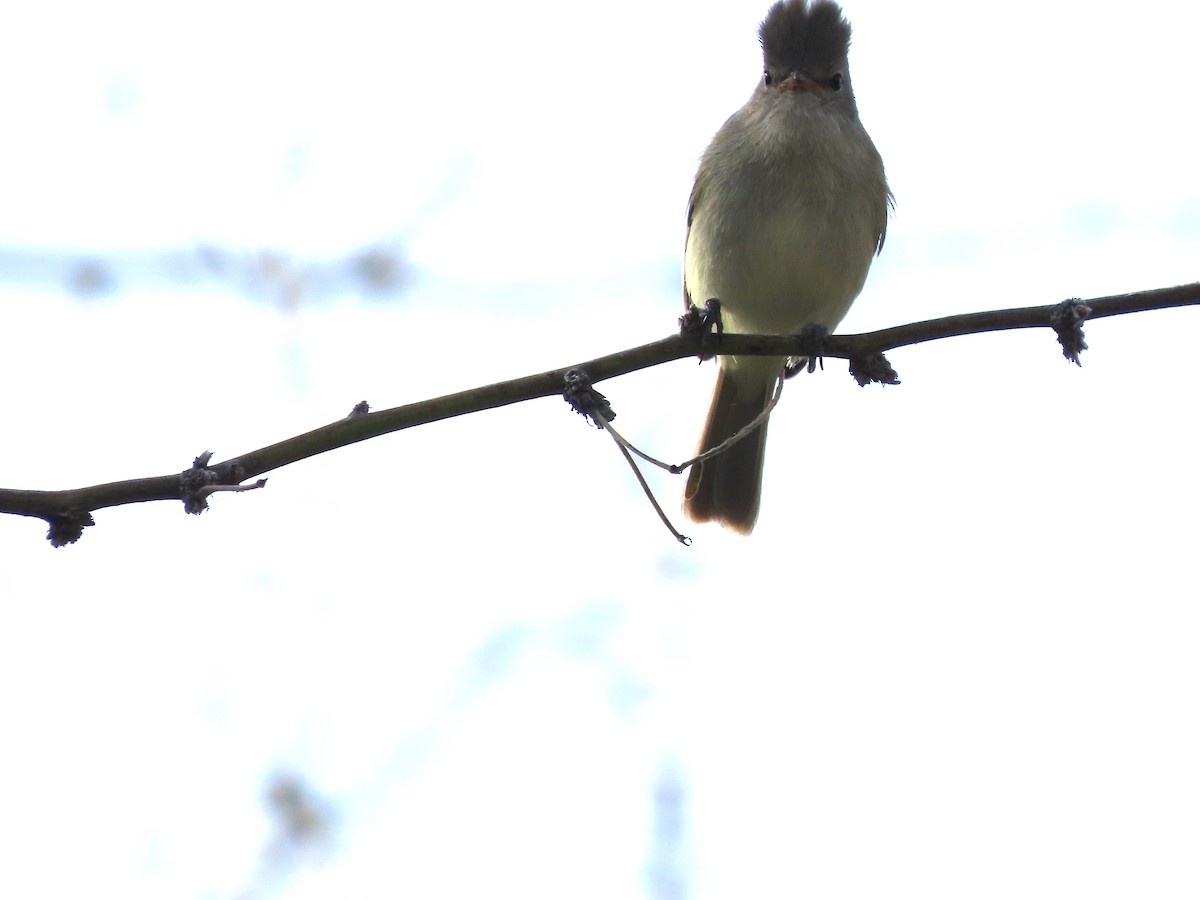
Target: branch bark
(68,511)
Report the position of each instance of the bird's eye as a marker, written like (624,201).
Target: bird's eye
(835,81)
(767,78)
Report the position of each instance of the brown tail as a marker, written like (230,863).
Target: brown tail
(726,488)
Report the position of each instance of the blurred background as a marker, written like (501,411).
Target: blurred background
(957,657)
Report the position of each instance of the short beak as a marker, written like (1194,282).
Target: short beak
(799,83)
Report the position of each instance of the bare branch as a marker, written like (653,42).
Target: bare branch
(68,511)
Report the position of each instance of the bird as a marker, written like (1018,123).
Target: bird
(787,212)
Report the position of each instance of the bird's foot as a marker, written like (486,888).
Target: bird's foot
(812,339)
(705,324)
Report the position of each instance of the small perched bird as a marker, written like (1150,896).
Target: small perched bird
(789,208)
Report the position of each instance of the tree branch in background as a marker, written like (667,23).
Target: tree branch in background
(69,511)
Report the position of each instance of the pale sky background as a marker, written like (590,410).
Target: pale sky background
(958,657)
